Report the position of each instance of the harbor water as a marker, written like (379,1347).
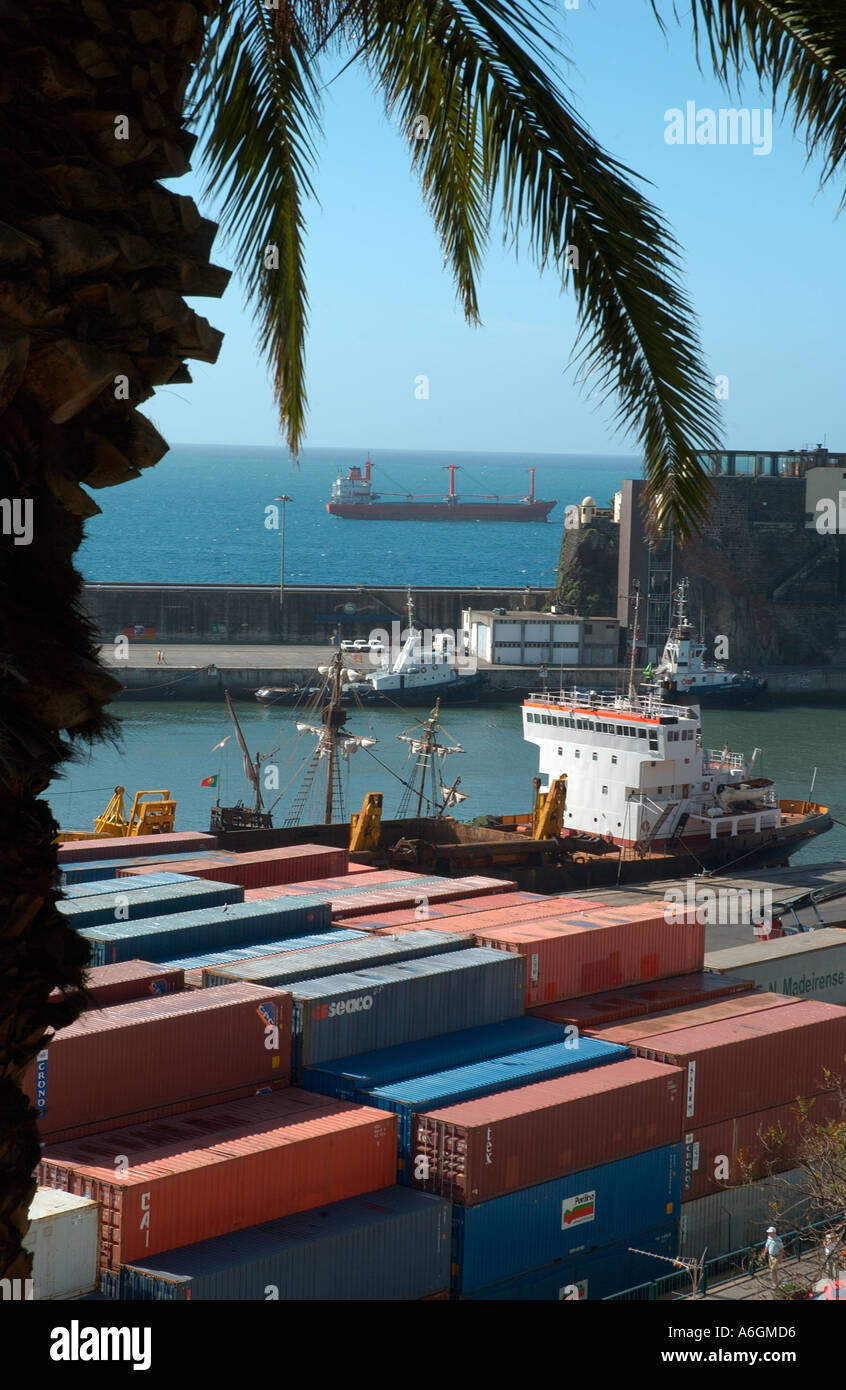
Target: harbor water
(171,747)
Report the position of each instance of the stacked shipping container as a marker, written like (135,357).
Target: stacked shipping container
(223,1169)
(155,1057)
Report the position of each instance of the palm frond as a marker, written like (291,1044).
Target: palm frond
(796,49)
(501,129)
(259,110)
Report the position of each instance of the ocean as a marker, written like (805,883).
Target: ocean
(198,517)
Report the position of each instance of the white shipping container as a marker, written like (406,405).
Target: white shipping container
(809,965)
(64,1237)
(739,1216)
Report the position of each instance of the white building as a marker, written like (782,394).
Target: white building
(515,638)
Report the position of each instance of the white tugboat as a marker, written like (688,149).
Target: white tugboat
(416,675)
(683,676)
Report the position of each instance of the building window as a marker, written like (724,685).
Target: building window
(613,757)
(578,753)
(594,757)
(604,791)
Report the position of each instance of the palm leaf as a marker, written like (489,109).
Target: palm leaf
(258,103)
(501,129)
(796,48)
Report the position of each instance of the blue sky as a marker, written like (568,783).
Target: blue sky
(763,251)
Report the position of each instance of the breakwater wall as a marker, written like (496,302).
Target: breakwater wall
(309,613)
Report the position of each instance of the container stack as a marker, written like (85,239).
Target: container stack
(381,1085)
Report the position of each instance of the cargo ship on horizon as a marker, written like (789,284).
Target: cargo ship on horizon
(353,499)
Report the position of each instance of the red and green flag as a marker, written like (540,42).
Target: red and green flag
(209,781)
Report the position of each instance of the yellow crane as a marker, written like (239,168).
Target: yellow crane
(151,817)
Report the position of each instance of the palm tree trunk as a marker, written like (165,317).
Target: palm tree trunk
(95,256)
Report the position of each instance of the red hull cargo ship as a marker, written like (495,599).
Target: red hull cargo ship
(354,499)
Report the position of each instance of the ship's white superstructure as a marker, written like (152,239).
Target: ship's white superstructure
(637,772)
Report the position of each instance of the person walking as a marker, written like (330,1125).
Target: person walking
(832,1254)
(774,1251)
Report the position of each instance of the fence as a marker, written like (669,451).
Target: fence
(737,1264)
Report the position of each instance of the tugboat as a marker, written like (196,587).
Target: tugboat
(683,676)
(416,676)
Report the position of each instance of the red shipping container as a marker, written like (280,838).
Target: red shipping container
(134,1061)
(125,980)
(565,958)
(405,916)
(260,868)
(750,1147)
(751,1063)
(389,894)
(128,846)
(484,1148)
(224,1168)
(692,1016)
(612,1006)
(506,915)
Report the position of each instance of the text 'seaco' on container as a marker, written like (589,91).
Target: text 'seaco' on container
(223,1168)
(156,1056)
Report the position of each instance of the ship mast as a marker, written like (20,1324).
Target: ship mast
(632,690)
(333,742)
(333,718)
(424,742)
(252,770)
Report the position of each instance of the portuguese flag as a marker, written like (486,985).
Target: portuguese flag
(209,781)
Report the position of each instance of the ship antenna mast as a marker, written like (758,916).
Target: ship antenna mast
(334,718)
(632,691)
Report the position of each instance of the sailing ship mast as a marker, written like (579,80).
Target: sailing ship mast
(428,749)
(333,743)
(240,817)
(252,770)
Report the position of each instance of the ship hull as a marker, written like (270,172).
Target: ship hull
(440,511)
(466,690)
(738,695)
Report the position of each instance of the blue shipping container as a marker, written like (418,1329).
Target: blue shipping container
(83,871)
(593,1276)
(408,1098)
(389,1004)
(346,1076)
(118,906)
(208,929)
(388,1245)
(340,959)
(133,885)
(536,1226)
(256,949)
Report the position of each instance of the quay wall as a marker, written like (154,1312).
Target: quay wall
(253,613)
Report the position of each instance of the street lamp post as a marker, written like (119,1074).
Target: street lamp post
(283,499)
